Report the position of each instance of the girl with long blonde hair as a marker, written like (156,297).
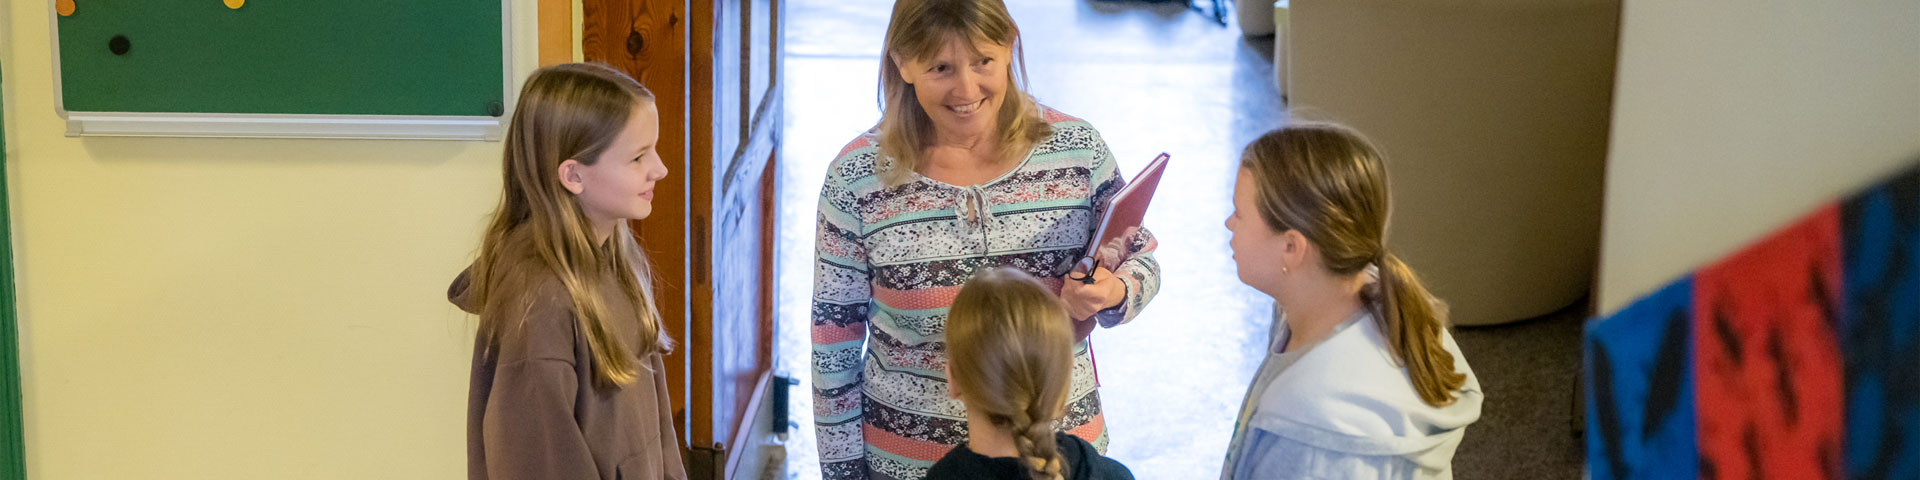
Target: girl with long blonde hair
(567,379)
(1362,379)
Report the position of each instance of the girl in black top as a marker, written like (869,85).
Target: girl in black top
(1009,359)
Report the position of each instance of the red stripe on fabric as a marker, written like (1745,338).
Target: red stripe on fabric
(932,297)
(906,447)
(830,334)
(1054,116)
(856,145)
(1091,430)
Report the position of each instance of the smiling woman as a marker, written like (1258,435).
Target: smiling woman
(963,173)
(960,88)
(948,82)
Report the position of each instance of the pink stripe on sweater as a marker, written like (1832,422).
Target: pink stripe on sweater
(933,297)
(1090,431)
(830,334)
(857,143)
(913,448)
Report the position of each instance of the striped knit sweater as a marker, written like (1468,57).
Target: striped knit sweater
(889,262)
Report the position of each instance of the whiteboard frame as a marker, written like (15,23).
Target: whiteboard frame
(273,125)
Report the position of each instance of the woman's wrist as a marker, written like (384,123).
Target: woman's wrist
(1116,295)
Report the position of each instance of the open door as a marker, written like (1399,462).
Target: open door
(714,67)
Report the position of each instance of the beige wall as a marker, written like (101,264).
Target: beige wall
(1731,119)
(1492,118)
(222,308)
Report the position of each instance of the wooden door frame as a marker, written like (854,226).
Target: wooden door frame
(554,35)
(714,289)
(647,40)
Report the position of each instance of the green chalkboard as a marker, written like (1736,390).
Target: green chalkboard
(328,57)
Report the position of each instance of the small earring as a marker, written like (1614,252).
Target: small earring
(1283,269)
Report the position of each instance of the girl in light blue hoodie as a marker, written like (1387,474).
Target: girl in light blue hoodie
(1362,379)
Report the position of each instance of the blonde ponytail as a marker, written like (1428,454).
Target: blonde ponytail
(1412,321)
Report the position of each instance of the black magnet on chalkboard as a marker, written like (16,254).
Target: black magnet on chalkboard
(494,109)
(119,45)
(634,42)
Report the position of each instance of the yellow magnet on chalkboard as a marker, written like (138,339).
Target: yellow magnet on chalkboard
(65,7)
(235,4)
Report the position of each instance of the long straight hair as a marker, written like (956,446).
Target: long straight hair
(571,111)
(1328,183)
(1010,351)
(918,30)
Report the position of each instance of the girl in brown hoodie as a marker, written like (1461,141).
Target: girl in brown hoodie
(567,381)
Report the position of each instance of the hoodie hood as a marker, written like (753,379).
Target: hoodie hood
(1349,395)
(460,292)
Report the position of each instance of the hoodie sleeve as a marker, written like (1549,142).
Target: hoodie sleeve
(528,429)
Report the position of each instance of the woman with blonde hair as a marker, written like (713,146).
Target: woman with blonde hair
(1010,359)
(567,380)
(963,172)
(1362,379)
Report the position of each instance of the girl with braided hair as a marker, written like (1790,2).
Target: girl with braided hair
(1010,360)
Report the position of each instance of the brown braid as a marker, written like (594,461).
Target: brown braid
(1034,441)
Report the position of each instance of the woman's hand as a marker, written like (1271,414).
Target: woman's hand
(1083,300)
